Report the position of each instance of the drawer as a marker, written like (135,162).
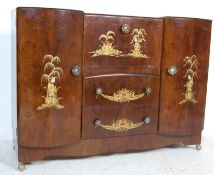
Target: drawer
(121,89)
(107,46)
(119,121)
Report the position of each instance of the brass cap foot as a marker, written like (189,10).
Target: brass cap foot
(21,166)
(198,147)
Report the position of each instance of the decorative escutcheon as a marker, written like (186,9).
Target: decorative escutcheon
(125,28)
(76,71)
(172,70)
(121,124)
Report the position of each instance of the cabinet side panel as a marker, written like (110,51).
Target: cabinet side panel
(186,46)
(14,77)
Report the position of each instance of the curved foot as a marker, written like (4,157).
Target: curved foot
(21,166)
(198,147)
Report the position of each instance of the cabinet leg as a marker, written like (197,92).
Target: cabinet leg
(198,147)
(21,166)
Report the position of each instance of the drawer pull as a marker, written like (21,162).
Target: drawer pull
(122,124)
(148,90)
(125,28)
(123,95)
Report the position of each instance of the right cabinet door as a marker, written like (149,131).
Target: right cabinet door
(185,60)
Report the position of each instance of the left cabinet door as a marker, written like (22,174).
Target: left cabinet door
(49,44)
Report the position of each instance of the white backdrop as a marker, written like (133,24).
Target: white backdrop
(151,8)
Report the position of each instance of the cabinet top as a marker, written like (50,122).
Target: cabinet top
(164,17)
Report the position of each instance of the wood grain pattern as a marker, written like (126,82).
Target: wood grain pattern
(111,83)
(135,113)
(183,37)
(152,46)
(55,32)
(71,35)
(89,147)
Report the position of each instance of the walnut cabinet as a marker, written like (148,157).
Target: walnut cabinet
(88,84)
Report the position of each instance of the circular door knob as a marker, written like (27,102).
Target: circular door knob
(172,70)
(148,90)
(125,28)
(147,120)
(76,71)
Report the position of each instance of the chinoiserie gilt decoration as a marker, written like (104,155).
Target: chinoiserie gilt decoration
(120,96)
(52,73)
(137,40)
(107,47)
(192,67)
(119,125)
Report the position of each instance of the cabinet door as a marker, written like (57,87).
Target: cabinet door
(49,43)
(184,75)
(107,47)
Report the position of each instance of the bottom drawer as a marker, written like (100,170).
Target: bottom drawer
(119,121)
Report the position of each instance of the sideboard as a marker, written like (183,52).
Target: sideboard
(87,84)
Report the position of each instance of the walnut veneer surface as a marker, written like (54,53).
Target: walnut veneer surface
(87,84)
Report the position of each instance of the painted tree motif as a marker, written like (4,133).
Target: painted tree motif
(106,48)
(52,74)
(191,72)
(191,61)
(137,40)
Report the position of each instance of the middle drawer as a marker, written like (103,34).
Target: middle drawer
(120,89)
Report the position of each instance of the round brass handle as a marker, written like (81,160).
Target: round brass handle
(147,120)
(76,71)
(125,28)
(97,123)
(99,91)
(172,70)
(148,90)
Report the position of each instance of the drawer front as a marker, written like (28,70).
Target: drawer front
(119,121)
(121,89)
(107,45)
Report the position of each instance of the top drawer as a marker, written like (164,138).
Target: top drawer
(124,43)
